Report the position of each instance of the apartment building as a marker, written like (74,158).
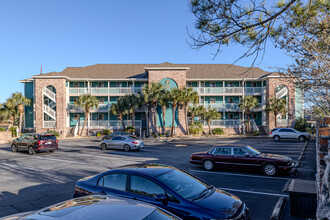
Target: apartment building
(220,86)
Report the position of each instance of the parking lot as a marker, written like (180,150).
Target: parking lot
(32,182)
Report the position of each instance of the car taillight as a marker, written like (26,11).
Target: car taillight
(39,142)
(56,141)
(135,142)
(271,132)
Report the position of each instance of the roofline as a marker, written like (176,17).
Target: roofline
(166,68)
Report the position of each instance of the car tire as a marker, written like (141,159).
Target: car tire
(52,151)
(31,150)
(14,148)
(126,148)
(103,146)
(276,138)
(270,169)
(208,165)
(302,138)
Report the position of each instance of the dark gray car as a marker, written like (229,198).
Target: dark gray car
(99,207)
(122,142)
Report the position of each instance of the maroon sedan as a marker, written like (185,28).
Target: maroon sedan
(242,157)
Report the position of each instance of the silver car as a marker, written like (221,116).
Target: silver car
(289,133)
(122,142)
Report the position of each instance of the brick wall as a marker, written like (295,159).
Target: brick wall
(5,137)
(272,83)
(179,76)
(60,86)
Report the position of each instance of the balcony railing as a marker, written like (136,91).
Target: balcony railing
(49,124)
(111,123)
(228,90)
(253,90)
(104,90)
(223,123)
(228,106)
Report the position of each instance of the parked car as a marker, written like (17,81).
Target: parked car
(242,157)
(122,142)
(98,207)
(170,188)
(34,143)
(109,136)
(289,133)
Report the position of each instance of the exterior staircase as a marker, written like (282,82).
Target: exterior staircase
(49,109)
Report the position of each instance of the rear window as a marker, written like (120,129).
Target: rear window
(47,137)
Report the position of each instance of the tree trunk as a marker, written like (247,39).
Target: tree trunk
(86,118)
(249,124)
(172,129)
(20,120)
(275,113)
(147,119)
(186,119)
(155,120)
(133,121)
(122,121)
(209,125)
(164,112)
(192,121)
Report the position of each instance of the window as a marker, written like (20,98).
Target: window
(100,84)
(76,117)
(239,151)
(75,100)
(230,116)
(212,84)
(223,151)
(254,84)
(230,84)
(118,138)
(254,116)
(145,187)
(114,181)
(286,130)
(231,100)
(212,100)
(118,84)
(189,84)
(101,117)
(101,100)
(75,84)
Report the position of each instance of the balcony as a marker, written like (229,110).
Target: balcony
(228,90)
(113,124)
(253,90)
(101,108)
(104,90)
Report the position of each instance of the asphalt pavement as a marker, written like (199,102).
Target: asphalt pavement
(33,182)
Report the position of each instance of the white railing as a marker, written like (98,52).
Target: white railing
(282,122)
(232,106)
(111,123)
(218,90)
(49,111)
(281,93)
(233,89)
(49,124)
(102,90)
(225,123)
(217,106)
(253,90)
(50,94)
(77,91)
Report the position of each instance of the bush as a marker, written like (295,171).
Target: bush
(218,131)
(301,124)
(255,133)
(2,129)
(54,133)
(106,132)
(196,128)
(13,131)
(130,129)
(98,134)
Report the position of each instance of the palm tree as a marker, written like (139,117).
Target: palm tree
(175,97)
(143,103)
(118,109)
(209,115)
(196,111)
(164,102)
(87,102)
(153,91)
(17,100)
(11,110)
(131,103)
(188,96)
(247,104)
(278,106)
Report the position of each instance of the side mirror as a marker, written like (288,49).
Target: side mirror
(162,198)
(247,155)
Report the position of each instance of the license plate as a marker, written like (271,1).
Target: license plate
(48,143)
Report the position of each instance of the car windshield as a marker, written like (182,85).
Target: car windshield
(183,184)
(252,151)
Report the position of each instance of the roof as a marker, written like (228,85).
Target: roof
(147,168)
(127,71)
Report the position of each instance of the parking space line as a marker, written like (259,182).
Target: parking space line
(55,159)
(253,192)
(20,167)
(238,174)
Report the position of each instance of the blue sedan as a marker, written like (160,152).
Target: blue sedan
(170,188)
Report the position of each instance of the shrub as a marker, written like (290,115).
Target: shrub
(98,134)
(301,124)
(2,129)
(54,133)
(255,133)
(130,129)
(218,131)
(13,131)
(106,132)
(196,128)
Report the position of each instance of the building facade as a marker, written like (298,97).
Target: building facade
(219,86)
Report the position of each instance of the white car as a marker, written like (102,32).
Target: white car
(289,133)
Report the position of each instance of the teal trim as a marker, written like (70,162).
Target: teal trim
(217,83)
(168,84)
(67,84)
(235,83)
(95,84)
(74,122)
(71,101)
(249,83)
(81,84)
(124,84)
(28,90)
(113,99)
(264,83)
(218,99)
(137,84)
(236,115)
(105,98)
(95,116)
(29,116)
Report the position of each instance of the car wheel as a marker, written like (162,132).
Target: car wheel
(270,169)
(103,146)
(302,138)
(208,165)
(276,138)
(14,148)
(52,151)
(31,150)
(126,148)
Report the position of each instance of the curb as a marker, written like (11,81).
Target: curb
(276,215)
(302,152)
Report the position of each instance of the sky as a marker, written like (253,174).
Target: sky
(75,33)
